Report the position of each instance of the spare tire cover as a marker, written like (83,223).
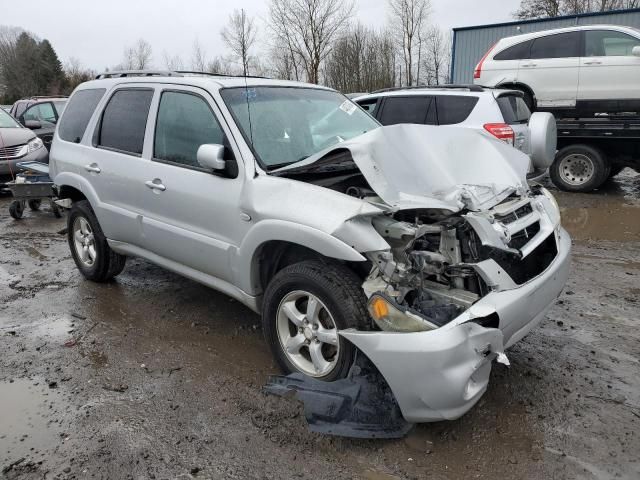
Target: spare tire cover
(544,139)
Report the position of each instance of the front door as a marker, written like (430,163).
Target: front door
(191,215)
(609,70)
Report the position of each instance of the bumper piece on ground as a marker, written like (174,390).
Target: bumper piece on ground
(360,406)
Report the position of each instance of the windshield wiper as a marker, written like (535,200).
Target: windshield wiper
(276,166)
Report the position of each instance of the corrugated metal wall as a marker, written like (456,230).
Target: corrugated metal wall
(470,44)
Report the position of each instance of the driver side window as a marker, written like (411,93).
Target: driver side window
(41,112)
(184,122)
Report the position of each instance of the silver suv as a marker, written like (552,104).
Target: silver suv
(424,248)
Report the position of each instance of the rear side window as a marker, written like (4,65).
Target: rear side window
(514,109)
(455,109)
(606,43)
(516,52)
(413,109)
(369,106)
(124,120)
(184,122)
(78,113)
(562,45)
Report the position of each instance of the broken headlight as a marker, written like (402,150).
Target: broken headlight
(391,317)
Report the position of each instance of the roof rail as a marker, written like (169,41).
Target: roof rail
(163,73)
(138,73)
(471,88)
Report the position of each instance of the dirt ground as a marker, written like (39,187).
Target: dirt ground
(155,376)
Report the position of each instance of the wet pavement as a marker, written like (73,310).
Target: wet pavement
(155,376)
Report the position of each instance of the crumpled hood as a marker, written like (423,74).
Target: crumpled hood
(420,166)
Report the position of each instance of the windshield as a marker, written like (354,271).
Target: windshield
(290,124)
(7,121)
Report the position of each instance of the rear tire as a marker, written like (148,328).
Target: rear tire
(307,342)
(579,168)
(89,248)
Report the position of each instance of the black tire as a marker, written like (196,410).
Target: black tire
(56,210)
(334,285)
(34,205)
(598,169)
(16,209)
(107,263)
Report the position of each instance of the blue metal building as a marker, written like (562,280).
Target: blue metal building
(471,43)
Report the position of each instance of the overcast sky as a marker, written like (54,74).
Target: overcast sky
(97,32)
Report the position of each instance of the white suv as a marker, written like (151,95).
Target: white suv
(594,68)
(502,114)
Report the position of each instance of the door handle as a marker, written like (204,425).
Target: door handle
(155,184)
(594,62)
(529,65)
(92,168)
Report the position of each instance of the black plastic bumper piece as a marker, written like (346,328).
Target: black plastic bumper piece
(360,406)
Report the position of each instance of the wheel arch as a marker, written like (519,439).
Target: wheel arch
(514,85)
(274,244)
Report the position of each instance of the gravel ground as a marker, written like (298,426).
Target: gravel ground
(154,376)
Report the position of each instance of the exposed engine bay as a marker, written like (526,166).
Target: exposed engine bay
(434,269)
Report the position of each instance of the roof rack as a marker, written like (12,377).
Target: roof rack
(164,73)
(471,88)
(138,73)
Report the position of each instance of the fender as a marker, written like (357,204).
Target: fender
(268,230)
(70,179)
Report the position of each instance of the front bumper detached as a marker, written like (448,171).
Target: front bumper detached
(441,374)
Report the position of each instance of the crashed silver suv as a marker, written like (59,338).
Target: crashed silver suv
(423,248)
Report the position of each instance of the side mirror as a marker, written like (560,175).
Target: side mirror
(211,155)
(636,51)
(33,124)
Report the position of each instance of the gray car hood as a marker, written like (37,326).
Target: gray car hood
(420,166)
(10,137)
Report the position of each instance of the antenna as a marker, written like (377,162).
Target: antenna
(246,96)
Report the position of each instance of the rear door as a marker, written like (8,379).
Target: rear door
(418,109)
(116,167)
(552,69)
(609,70)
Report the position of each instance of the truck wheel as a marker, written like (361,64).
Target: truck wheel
(16,209)
(579,168)
(305,305)
(34,205)
(89,248)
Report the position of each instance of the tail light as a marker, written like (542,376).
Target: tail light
(478,71)
(501,131)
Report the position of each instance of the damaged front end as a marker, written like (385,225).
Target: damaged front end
(471,268)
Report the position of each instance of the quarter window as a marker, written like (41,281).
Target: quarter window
(78,113)
(517,52)
(562,45)
(413,109)
(185,122)
(603,43)
(455,109)
(124,120)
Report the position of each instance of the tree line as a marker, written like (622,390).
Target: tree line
(315,41)
(554,8)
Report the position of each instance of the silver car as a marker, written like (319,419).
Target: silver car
(17,144)
(424,248)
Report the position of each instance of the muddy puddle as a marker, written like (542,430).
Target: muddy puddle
(27,428)
(615,221)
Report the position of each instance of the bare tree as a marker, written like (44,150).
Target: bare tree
(240,35)
(309,29)
(538,9)
(76,74)
(137,56)
(408,18)
(198,57)
(554,8)
(361,61)
(436,60)
(172,62)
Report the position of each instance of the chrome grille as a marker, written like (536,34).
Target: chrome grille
(10,152)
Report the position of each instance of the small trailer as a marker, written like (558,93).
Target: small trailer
(31,187)
(593,149)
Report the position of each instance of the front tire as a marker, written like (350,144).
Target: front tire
(579,168)
(305,306)
(89,248)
